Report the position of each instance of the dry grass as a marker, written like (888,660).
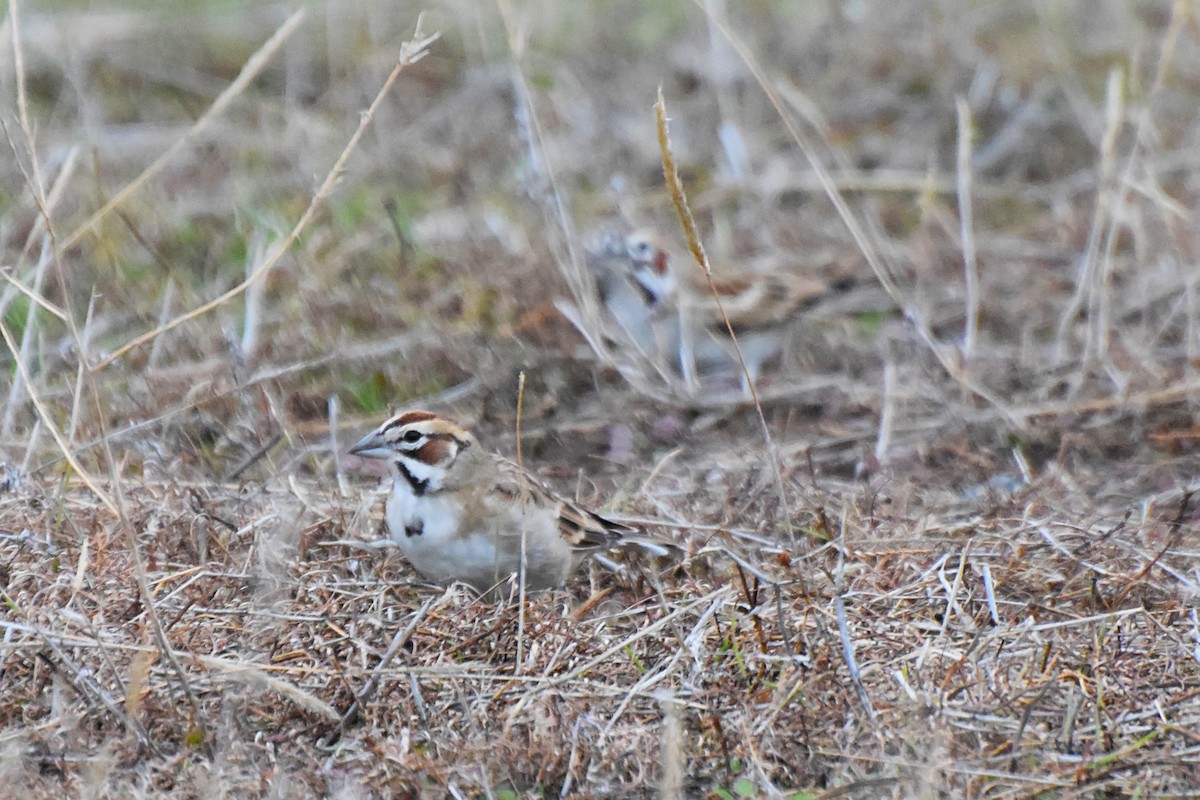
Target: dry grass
(972,573)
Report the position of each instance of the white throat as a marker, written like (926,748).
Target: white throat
(427,474)
(660,288)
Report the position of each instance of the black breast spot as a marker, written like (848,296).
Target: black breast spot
(416,529)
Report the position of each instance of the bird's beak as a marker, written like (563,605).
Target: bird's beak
(371,446)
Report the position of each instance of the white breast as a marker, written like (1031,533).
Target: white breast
(445,546)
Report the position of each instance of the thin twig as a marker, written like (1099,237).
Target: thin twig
(398,642)
(519,660)
(839,605)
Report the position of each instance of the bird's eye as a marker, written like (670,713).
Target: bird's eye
(412,437)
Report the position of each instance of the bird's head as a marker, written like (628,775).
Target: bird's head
(650,266)
(420,446)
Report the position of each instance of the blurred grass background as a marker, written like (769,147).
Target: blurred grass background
(441,223)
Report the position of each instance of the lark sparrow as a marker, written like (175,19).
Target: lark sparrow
(685,315)
(460,513)
(631,306)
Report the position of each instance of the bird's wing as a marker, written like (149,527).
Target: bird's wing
(580,528)
(587,530)
(758,300)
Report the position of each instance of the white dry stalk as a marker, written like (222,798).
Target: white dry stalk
(687,350)
(572,759)
(1100,298)
(31,446)
(1044,529)
(721,64)
(887,413)
(44,415)
(967,228)
(335,447)
(15,285)
(1100,291)
(255,251)
(953,607)
(16,393)
(1191,315)
(848,655)
(1111,616)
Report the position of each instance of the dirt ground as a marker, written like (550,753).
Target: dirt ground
(949,549)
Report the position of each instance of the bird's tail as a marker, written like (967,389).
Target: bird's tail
(662,548)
